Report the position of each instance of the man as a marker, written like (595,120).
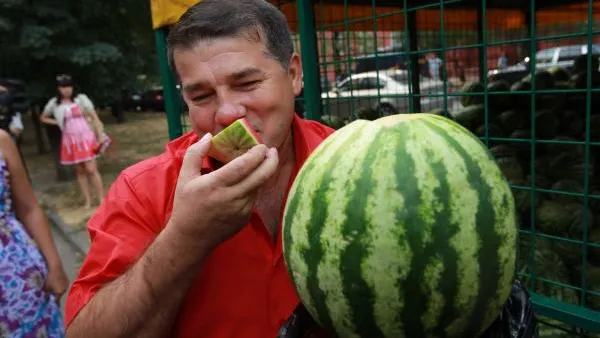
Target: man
(184,247)
(503,61)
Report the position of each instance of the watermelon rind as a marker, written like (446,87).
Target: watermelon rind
(401,227)
(233,141)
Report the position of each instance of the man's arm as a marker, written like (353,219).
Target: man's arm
(127,307)
(207,209)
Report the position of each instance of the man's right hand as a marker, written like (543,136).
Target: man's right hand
(213,207)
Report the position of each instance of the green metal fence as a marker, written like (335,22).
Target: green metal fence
(539,114)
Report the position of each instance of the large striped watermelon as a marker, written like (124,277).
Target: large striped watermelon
(401,227)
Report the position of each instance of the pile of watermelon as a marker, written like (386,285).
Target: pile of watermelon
(401,227)
(510,119)
(558,117)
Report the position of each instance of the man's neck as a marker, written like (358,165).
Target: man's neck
(287,160)
(272,194)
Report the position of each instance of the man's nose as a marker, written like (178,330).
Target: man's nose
(228,112)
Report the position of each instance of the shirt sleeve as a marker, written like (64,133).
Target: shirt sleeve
(86,103)
(120,231)
(49,108)
(16,122)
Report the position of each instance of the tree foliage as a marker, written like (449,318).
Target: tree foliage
(105,45)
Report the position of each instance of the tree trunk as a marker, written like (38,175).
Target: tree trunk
(37,126)
(63,173)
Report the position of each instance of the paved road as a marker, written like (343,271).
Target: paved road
(70,258)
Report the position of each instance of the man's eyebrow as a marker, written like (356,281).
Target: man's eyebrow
(244,73)
(197,86)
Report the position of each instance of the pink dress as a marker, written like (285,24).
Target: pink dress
(78,142)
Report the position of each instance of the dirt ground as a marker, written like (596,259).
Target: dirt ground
(144,134)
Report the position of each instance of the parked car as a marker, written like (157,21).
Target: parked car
(132,101)
(386,58)
(386,92)
(153,100)
(563,56)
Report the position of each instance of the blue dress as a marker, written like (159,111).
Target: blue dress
(25,309)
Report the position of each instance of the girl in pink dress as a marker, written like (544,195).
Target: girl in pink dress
(82,138)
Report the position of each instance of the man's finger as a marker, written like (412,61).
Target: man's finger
(192,161)
(261,175)
(237,170)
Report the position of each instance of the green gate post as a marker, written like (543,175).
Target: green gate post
(414,67)
(481,31)
(170,93)
(310,64)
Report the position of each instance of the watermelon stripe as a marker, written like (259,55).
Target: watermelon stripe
(352,275)
(500,202)
(295,238)
(449,256)
(487,252)
(342,178)
(300,220)
(416,234)
(386,234)
(451,173)
(463,198)
(315,249)
(436,260)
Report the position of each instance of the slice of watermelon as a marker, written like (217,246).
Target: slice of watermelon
(233,141)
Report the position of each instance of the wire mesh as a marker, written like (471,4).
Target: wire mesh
(522,79)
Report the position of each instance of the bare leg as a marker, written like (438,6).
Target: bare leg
(82,179)
(91,170)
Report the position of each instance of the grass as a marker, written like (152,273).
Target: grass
(143,135)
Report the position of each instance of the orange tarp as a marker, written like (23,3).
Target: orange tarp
(332,16)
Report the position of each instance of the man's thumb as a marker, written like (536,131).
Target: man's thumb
(192,161)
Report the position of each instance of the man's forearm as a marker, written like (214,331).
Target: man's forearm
(144,301)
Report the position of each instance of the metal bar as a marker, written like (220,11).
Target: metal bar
(443,46)
(570,314)
(481,32)
(523,92)
(310,62)
(170,92)
(482,35)
(586,178)
(376,47)
(413,45)
(532,49)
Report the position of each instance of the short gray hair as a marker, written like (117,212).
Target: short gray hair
(256,20)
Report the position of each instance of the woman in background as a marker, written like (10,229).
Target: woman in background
(32,277)
(82,136)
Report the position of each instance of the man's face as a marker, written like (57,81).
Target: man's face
(226,79)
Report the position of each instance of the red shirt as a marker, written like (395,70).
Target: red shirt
(242,290)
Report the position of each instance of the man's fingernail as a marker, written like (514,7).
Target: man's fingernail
(205,137)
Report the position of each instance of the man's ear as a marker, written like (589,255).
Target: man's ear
(295,73)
